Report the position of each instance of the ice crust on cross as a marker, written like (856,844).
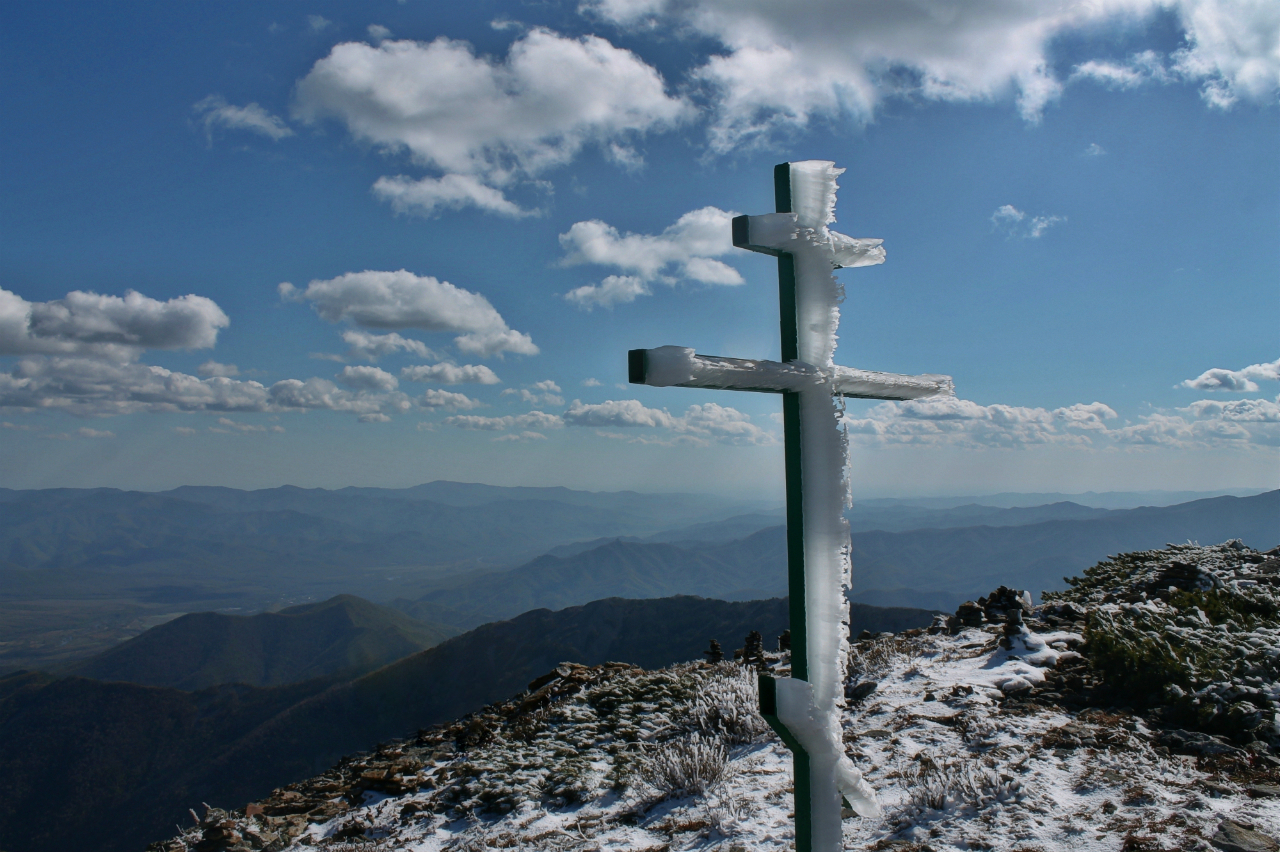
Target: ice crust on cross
(809,708)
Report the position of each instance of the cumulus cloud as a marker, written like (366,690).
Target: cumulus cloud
(1144,67)
(1231,47)
(708,421)
(428,196)
(112,327)
(214,112)
(399,300)
(450,374)
(371,347)
(546,393)
(1094,150)
(318,23)
(783,65)
(1016,223)
(447,399)
(1244,380)
(612,290)
(684,251)
(378,32)
(367,378)
(967,424)
(618,413)
(485,123)
(532,420)
(213,368)
(94,387)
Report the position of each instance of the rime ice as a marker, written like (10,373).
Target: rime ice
(806,708)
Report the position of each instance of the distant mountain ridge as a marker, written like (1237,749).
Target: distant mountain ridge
(342,637)
(107,767)
(948,565)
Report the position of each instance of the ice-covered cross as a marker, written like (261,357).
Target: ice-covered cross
(804,708)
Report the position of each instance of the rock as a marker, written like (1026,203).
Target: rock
(1235,837)
(1263,791)
(860,691)
(1194,742)
(970,614)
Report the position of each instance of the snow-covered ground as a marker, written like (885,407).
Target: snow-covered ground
(962,737)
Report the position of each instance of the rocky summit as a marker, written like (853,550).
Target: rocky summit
(1135,711)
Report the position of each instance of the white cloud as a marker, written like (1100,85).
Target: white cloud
(94,387)
(783,64)
(1138,69)
(962,422)
(318,23)
(398,300)
(532,420)
(685,250)
(966,424)
(544,393)
(1040,224)
(114,327)
(367,378)
(726,425)
(1016,223)
(612,290)
(617,413)
(185,430)
(371,347)
(213,368)
(450,374)
(494,122)
(1094,150)
(591,383)
(428,196)
(708,421)
(85,432)
(1244,380)
(1092,416)
(1232,47)
(214,112)
(446,399)
(377,32)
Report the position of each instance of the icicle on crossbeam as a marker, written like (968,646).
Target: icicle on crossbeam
(804,708)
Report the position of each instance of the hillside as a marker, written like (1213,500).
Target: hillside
(1005,727)
(344,636)
(108,767)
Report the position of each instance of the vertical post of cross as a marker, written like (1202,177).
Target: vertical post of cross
(788,322)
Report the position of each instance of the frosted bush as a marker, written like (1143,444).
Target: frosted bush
(939,787)
(690,766)
(728,706)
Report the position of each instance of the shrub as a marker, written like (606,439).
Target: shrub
(690,766)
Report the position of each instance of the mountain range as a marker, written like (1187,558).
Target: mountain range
(938,568)
(109,766)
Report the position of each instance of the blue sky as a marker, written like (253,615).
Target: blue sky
(384,243)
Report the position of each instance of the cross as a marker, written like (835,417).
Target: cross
(804,708)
